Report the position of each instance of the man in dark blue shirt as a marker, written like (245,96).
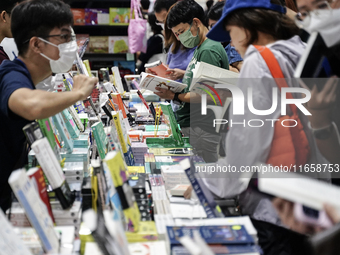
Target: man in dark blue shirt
(43,34)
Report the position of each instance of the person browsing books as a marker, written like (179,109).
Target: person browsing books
(6,7)
(261,23)
(43,34)
(186,19)
(235,60)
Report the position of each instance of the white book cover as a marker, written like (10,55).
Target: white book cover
(10,243)
(151,82)
(35,209)
(48,162)
(117,79)
(300,189)
(207,72)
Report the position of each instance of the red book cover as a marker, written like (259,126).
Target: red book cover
(37,177)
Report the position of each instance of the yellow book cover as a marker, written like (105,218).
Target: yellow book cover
(147,232)
(136,169)
(117,168)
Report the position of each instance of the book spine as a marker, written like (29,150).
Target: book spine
(100,144)
(200,195)
(38,178)
(116,120)
(72,129)
(63,132)
(76,118)
(48,162)
(35,210)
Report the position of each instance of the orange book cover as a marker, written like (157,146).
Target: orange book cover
(78,16)
(117,100)
(160,70)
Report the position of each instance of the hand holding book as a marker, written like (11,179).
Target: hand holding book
(175,74)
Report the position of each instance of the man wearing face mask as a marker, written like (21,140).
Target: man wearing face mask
(186,19)
(43,34)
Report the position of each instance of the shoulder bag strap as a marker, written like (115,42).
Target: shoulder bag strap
(275,70)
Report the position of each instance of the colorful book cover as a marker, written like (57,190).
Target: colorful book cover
(147,232)
(118,44)
(101,138)
(117,167)
(97,16)
(70,125)
(62,130)
(99,44)
(78,16)
(38,180)
(123,138)
(81,39)
(119,16)
(228,235)
(125,67)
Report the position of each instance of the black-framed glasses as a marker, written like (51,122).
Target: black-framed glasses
(64,37)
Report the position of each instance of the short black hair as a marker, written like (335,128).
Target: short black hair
(163,5)
(8,5)
(215,12)
(152,21)
(38,18)
(184,12)
(145,4)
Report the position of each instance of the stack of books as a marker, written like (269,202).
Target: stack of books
(174,175)
(74,172)
(138,151)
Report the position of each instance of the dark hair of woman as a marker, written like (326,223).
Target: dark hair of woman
(278,25)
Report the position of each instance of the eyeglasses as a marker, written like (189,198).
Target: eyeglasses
(63,37)
(302,19)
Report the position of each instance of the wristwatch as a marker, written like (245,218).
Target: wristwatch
(322,133)
(176,100)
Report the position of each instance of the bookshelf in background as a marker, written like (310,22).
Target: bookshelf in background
(108,40)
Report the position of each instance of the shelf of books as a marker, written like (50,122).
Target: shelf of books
(104,25)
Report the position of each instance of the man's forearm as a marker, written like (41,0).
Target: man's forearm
(37,104)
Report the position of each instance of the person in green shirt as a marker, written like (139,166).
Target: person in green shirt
(186,19)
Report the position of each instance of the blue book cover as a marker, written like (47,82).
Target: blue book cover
(227,235)
(204,195)
(223,250)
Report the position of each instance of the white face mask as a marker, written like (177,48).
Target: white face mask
(327,23)
(67,54)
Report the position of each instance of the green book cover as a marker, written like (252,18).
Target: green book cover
(47,129)
(101,138)
(70,125)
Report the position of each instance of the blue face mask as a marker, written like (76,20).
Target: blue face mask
(188,40)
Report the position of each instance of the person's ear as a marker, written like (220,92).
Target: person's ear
(35,45)
(197,22)
(3,16)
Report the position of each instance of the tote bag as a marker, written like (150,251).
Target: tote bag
(137,29)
